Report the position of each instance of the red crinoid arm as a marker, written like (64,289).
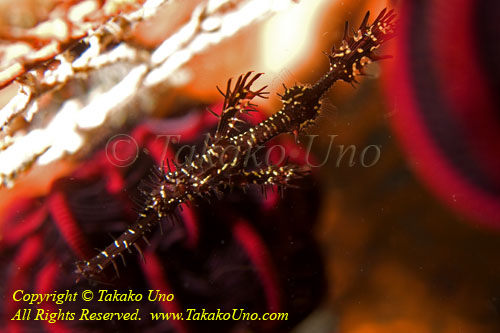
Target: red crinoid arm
(67,225)
(259,256)
(157,279)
